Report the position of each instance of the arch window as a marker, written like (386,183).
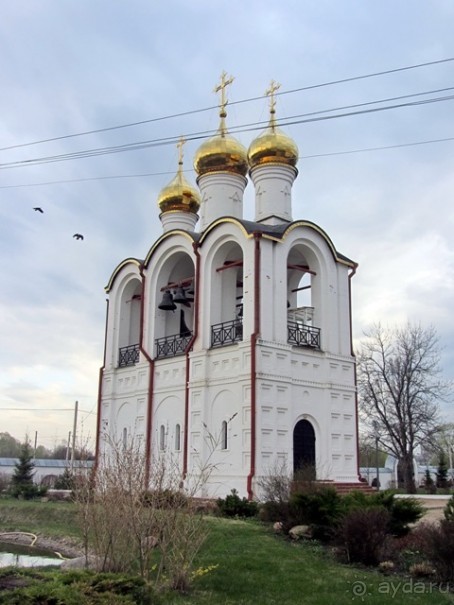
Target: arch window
(129,324)
(174,316)
(226,309)
(177,438)
(224,435)
(162,437)
(300,304)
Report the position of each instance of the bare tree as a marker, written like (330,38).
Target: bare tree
(137,521)
(399,390)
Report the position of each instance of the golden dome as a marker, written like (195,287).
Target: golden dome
(179,195)
(221,153)
(272,146)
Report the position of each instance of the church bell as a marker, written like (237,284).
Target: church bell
(167,303)
(180,297)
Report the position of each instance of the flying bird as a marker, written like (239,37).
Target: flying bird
(78,236)
(38,209)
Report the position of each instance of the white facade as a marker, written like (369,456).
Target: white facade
(256,370)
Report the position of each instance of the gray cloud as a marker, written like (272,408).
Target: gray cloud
(72,66)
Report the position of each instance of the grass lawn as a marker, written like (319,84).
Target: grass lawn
(254,567)
(49,519)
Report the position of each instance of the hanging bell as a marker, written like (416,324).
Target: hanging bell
(167,303)
(184,330)
(180,297)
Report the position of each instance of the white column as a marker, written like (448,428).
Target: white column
(222,195)
(273,193)
(178,220)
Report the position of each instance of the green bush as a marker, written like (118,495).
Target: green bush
(403,511)
(448,511)
(322,509)
(234,506)
(75,588)
(429,483)
(65,481)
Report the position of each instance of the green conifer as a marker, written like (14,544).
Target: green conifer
(22,485)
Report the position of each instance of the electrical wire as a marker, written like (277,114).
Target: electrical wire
(201,110)
(302,157)
(204,134)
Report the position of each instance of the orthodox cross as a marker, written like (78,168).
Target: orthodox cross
(223,101)
(180,144)
(274,86)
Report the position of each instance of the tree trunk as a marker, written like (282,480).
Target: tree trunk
(406,474)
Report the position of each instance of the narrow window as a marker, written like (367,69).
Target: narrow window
(125,438)
(162,437)
(224,435)
(177,437)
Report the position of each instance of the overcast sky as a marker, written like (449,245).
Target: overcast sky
(72,66)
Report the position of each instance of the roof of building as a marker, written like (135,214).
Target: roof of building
(49,463)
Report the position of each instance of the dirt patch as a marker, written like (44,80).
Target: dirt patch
(434,509)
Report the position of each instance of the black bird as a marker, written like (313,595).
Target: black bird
(37,209)
(78,236)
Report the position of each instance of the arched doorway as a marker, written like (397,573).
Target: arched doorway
(304,449)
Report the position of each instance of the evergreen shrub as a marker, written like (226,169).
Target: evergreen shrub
(234,506)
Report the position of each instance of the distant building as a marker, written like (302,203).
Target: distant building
(46,470)
(230,344)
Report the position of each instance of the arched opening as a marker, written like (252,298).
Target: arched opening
(224,435)
(162,437)
(304,450)
(177,438)
(174,310)
(226,309)
(129,324)
(301,278)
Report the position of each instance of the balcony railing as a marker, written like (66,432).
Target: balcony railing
(128,356)
(226,333)
(170,346)
(303,335)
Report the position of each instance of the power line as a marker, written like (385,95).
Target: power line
(303,157)
(201,110)
(293,120)
(365,149)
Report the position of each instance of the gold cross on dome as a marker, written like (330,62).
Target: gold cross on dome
(274,86)
(221,88)
(180,145)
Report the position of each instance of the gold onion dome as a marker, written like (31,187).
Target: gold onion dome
(179,195)
(221,153)
(272,146)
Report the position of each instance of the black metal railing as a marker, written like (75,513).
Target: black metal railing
(170,346)
(303,335)
(226,332)
(128,356)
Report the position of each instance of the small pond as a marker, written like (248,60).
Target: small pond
(26,556)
